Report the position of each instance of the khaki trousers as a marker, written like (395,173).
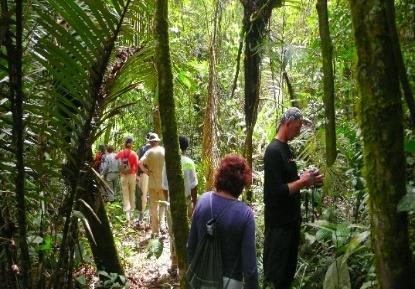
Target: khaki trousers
(128,183)
(143,184)
(157,210)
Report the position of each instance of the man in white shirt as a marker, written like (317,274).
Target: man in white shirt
(190,192)
(189,176)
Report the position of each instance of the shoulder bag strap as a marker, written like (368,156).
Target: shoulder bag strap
(218,216)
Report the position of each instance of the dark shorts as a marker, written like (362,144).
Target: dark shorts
(280,255)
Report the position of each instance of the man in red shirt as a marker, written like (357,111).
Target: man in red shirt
(99,158)
(128,168)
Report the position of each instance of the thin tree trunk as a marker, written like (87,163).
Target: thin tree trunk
(210,146)
(16,96)
(102,245)
(238,63)
(170,137)
(328,80)
(381,121)
(293,99)
(406,87)
(156,120)
(256,16)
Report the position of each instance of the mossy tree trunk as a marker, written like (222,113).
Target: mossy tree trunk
(328,80)
(170,137)
(381,121)
(210,144)
(256,16)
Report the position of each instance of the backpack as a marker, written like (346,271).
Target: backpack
(125,167)
(205,269)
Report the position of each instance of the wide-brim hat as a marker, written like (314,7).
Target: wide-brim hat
(153,137)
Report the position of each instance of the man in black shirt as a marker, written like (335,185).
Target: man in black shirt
(282,187)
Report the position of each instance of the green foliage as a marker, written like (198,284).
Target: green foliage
(111,281)
(155,248)
(63,40)
(407,203)
(337,275)
(343,245)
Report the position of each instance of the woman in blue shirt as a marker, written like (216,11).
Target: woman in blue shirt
(236,227)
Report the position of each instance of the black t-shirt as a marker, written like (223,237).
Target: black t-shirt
(143,150)
(140,154)
(281,207)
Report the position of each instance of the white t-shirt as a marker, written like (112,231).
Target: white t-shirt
(189,175)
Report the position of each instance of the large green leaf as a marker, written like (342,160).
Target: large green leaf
(337,275)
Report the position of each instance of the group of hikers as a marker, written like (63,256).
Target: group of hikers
(234,220)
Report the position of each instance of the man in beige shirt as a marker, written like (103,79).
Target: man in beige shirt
(152,163)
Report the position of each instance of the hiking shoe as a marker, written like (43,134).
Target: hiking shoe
(139,225)
(172,270)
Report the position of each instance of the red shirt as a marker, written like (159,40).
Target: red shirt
(97,161)
(132,159)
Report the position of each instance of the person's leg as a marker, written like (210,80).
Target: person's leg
(189,207)
(131,189)
(277,262)
(111,178)
(154,220)
(162,209)
(144,190)
(173,255)
(125,196)
(293,253)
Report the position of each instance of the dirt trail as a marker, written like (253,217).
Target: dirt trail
(144,271)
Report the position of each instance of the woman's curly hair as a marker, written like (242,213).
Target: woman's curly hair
(233,175)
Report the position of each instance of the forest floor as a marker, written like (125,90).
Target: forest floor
(141,264)
(146,260)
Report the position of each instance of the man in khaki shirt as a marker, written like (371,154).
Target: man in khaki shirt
(152,163)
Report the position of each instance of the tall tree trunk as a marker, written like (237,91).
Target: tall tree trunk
(381,122)
(406,87)
(256,16)
(156,120)
(238,62)
(170,137)
(14,51)
(102,239)
(210,144)
(293,99)
(328,80)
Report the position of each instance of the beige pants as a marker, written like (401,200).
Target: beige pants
(157,210)
(128,183)
(143,184)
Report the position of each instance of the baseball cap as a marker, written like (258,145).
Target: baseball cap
(294,113)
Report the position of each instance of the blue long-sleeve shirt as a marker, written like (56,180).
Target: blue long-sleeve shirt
(236,230)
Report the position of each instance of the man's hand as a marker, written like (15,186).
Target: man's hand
(307,178)
(312,178)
